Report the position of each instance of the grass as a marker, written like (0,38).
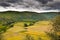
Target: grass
(15,33)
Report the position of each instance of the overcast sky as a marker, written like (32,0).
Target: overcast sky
(29,5)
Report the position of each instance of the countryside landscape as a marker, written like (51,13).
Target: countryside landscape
(29,25)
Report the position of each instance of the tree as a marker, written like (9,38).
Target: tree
(56,26)
(56,23)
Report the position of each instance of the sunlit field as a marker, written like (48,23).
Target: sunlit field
(29,26)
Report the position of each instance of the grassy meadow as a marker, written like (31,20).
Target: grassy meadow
(29,26)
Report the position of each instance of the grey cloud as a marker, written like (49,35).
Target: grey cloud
(55,5)
(4,4)
(31,4)
(11,1)
(44,1)
(14,1)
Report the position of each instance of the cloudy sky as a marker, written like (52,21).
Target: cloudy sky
(30,5)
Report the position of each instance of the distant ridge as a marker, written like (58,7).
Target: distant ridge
(27,16)
(28,12)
